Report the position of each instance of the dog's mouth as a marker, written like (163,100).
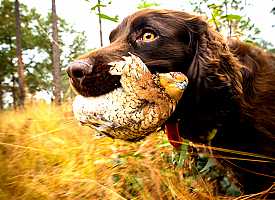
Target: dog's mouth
(139,105)
(95,84)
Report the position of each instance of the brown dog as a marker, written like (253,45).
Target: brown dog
(231,85)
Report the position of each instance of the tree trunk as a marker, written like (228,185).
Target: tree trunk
(100,25)
(21,81)
(1,96)
(56,58)
(13,92)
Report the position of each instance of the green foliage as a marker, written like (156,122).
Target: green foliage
(227,18)
(76,47)
(96,6)
(8,40)
(103,16)
(261,43)
(36,48)
(100,4)
(146,4)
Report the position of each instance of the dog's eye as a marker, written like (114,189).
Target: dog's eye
(147,37)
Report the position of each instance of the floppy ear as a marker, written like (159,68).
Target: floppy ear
(193,72)
(197,28)
(213,65)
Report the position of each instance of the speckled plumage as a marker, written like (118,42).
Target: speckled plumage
(143,103)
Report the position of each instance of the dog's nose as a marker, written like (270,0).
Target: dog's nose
(79,69)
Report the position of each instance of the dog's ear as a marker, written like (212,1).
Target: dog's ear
(196,24)
(193,72)
(213,65)
(191,26)
(198,38)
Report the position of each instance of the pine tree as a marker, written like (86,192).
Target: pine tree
(56,57)
(20,69)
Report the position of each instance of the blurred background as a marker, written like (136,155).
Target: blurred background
(85,24)
(44,153)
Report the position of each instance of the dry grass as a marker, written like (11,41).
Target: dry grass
(45,154)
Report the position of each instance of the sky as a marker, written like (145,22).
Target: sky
(78,14)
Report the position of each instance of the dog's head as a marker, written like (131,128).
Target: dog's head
(168,41)
(163,39)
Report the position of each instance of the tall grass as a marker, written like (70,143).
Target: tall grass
(45,154)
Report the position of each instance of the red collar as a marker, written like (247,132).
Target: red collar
(172,131)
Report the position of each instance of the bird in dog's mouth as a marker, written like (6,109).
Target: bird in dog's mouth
(139,107)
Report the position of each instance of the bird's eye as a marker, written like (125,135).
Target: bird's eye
(148,37)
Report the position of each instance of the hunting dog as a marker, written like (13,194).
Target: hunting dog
(231,85)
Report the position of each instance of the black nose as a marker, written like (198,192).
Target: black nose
(79,69)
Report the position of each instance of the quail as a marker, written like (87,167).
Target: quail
(143,103)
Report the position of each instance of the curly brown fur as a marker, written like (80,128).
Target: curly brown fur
(231,86)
